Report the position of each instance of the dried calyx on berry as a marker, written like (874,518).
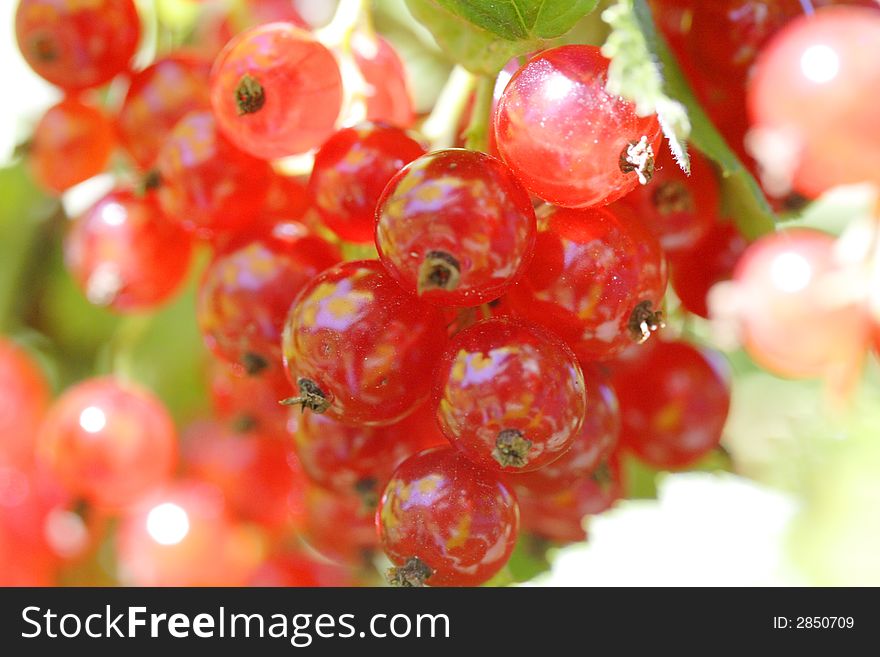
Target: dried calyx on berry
(512,448)
(644,321)
(249,95)
(438,271)
(310,397)
(413,573)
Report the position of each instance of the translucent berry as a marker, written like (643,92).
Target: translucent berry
(157,98)
(360,348)
(246,292)
(511,396)
(352,460)
(77,45)
(388,96)
(124,253)
(566,138)
(597,279)
(445,521)
(594,443)
(109,442)
(674,400)
(206,184)
(455,227)
(709,261)
(71,143)
(677,209)
(249,467)
(790,324)
(351,170)
(812,96)
(276,91)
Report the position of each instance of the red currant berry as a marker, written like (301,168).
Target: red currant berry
(597,279)
(157,98)
(359,347)
(182,535)
(560,516)
(276,91)
(592,446)
(455,227)
(677,209)
(125,254)
(108,441)
(71,143)
(76,45)
(814,90)
(445,521)
(250,468)
(249,402)
(205,183)
(566,138)
(359,460)
(23,403)
(339,528)
(789,324)
(351,170)
(674,400)
(246,292)
(511,397)
(708,262)
(388,98)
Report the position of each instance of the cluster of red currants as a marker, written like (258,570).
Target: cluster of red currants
(486,372)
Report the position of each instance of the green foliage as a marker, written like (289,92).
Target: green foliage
(482,37)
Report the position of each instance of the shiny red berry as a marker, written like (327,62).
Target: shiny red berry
(597,279)
(276,91)
(249,467)
(246,292)
(388,96)
(676,208)
(351,170)
(455,227)
(591,447)
(77,45)
(124,253)
(157,98)
(560,516)
(445,521)
(566,138)
(511,396)
(353,460)
(206,184)
(359,347)
(71,143)
(109,442)
(709,261)
(674,400)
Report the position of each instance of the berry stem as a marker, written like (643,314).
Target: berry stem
(441,126)
(477,133)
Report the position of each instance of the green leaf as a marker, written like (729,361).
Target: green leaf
(638,65)
(479,51)
(519,20)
